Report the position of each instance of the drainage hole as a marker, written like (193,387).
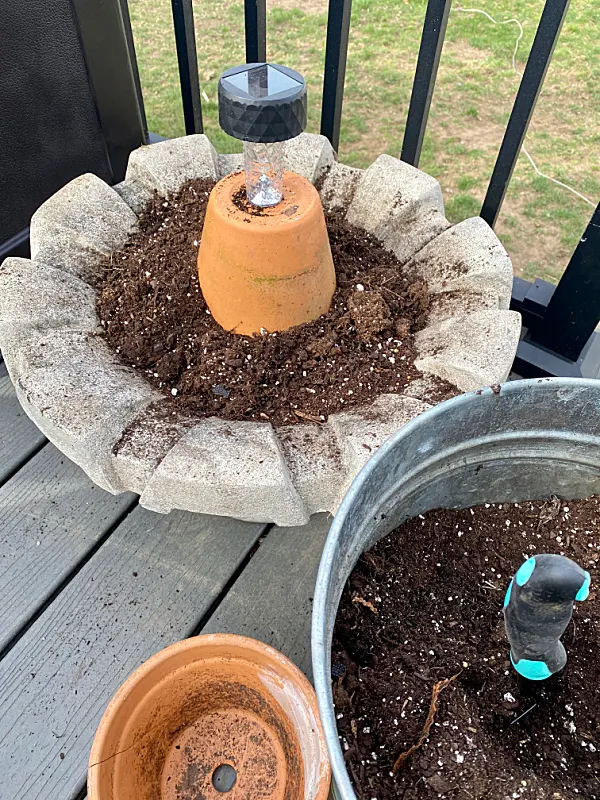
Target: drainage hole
(224,778)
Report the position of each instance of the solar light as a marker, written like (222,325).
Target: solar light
(264,265)
(263,105)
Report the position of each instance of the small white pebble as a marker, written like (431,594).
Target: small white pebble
(174,392)
(570,726)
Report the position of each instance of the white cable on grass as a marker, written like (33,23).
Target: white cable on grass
(554,180)
(506,22)
(520,74)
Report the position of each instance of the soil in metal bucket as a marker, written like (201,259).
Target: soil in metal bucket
(421,662)
(155,317)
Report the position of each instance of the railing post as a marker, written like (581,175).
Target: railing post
(113,76)
(336,52)
(135,72)
(432,41)
(574,309)
(540,56)
(185,40)
(255,17)
(561,321)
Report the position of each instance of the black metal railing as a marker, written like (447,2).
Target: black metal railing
(559,322)
(255,15)
(538,62)
(430,51)
(185,41)
(336,51)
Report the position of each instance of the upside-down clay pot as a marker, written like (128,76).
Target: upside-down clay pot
(265,269)
(216,716)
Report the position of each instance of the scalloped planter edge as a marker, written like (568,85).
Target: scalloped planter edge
(82,398)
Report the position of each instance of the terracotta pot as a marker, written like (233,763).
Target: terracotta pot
(271,269)
(208,717)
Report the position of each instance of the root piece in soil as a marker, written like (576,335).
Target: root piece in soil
(365,603)
(370,313)
(435,693)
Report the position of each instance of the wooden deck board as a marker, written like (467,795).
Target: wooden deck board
(19,437)
(147,586)
(272,598)
(51,515)
(103,620)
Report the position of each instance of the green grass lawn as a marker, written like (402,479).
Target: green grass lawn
(540,223)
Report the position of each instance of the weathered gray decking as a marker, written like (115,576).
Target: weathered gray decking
(91,585)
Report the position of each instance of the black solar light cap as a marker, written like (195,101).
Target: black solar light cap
(262,103)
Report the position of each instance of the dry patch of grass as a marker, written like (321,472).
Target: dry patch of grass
(307,6)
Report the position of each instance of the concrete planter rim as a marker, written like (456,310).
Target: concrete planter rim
(78,393)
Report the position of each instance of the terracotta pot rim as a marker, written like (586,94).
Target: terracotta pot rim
(293,182)
(224,640)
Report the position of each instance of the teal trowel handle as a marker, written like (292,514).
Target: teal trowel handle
(537,610)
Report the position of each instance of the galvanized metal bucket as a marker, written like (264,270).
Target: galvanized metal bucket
(525,440)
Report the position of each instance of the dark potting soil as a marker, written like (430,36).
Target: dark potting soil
(423,607)
(155,317)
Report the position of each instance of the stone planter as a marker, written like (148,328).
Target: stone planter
(72,385)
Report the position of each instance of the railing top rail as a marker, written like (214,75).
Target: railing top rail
(574,311)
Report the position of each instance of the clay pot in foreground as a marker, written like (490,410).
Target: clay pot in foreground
(213,717)
(265,269)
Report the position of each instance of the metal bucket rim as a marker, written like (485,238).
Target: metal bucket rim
(319,646)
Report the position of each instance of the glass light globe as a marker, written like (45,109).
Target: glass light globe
(263,164)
